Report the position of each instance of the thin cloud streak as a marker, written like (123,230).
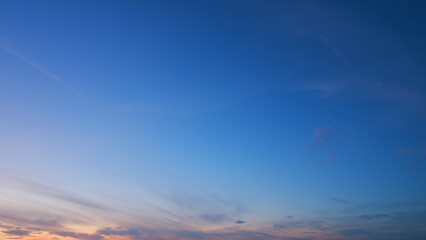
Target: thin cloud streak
(48,191)
(340,200)
(45,71)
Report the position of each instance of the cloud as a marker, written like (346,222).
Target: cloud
(151,234)
(161,234)
(191,234)
(374,47)
(413,155)
(186,201)
(28,221)
(323,135)
(396,224)
(82,236)
(374,216)
(358,90)
(48,209)
(386,206)
(44,71)
(409,218)
(208,208)
(352,232)
(326,88)
(340,200)
(285,224)
(128,232)
(296,238)
(240,221)
(242,235)
(17,232)
(47,191)
(213,218)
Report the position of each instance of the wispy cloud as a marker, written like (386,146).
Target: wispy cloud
(366,89)
(321,139)
(352,232)
(47,191)
(46,72)
(211,209)
(323,135)
(213,218)
(119,232)
(388,220)
(155,234)
(386,206)
(394,226)
(83,236)
(287,224)
(66,212)
(412,155)
(340,200)
(374,216)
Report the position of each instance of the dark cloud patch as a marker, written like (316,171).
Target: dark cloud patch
(240,221)
(27,221)
(242,235)
(284,224)
(7,227)
(191,234)
(374,216)
(280,226)
(47,222)
(294,238)
(17,232)
(127,232)
(213,218)
(352,232)
(82,236)
(340,200)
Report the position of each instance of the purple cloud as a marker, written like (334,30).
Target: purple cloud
(17,232)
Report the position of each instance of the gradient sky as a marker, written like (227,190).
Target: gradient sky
(206,120)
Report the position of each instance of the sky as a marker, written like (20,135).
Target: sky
(207,120)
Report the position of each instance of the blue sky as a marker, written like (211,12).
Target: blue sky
(212,119)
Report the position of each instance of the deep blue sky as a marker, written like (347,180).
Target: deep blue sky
(176,119)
